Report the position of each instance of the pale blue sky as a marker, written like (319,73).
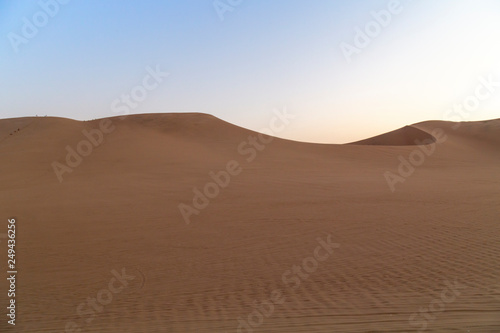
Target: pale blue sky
(263,55)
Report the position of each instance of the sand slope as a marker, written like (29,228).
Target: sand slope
(119,209)
(405,136)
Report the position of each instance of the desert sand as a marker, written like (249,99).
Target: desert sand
(422,256)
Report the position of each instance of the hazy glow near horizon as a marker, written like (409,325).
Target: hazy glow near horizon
(413,65)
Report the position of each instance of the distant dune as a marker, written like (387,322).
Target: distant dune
(406,136)
(250,252)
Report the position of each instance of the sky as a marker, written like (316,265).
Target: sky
(347,70)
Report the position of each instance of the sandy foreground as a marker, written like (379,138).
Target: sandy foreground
(378,236)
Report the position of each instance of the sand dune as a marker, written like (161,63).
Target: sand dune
(406,136)
(424,256)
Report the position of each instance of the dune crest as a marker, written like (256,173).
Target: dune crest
(405,136)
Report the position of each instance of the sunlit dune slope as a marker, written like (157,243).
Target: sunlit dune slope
(409,220)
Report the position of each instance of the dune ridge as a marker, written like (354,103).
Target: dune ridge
(202,123)
(405,136)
